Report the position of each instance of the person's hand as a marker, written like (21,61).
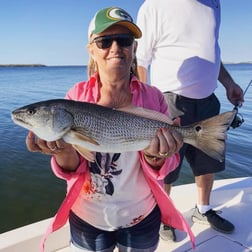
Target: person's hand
(235,94)
(164,144)
(35,144)
(65,155)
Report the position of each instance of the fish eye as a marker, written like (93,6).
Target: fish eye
(31,111)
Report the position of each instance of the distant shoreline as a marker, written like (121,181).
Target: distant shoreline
(22,65)
(42,65)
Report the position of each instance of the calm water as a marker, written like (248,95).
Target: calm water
(28,190)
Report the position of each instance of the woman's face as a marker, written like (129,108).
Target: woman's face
(118,56)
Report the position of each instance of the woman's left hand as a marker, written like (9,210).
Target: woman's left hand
(164,144)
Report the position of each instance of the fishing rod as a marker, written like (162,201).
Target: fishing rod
(238,120)
(245,91)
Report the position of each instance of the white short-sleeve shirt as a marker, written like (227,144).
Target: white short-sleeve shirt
(180,43)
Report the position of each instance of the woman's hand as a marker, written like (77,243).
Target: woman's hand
(164,144)
(64,153)
(35,144)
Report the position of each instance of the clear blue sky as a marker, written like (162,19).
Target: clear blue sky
(54,32)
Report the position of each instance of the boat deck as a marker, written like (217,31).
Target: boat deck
(232,196)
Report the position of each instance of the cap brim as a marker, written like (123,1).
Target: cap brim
(134,29)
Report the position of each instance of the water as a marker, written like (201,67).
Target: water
(29,191)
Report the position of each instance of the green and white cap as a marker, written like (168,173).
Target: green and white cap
(107,17)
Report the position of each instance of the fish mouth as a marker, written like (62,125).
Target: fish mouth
(19,121)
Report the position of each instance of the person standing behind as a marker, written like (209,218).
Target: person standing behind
(180,44)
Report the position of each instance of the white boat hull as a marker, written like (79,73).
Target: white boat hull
(232,196)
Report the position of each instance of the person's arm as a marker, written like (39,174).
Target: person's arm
(233,90)
(145,20)
(142,74)
(68,159)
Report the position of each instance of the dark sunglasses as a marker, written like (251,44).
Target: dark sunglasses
(122,40)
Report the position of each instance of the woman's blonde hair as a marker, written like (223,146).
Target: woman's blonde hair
(92,67)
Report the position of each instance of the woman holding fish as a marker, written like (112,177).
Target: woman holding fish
(115,199)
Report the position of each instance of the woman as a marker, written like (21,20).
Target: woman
(120,200)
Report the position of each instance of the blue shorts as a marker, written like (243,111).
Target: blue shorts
(142,237)
(191,111)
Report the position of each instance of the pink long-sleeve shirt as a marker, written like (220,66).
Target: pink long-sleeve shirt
(143,96)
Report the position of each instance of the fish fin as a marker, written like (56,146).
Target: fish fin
(147,113)
(211,135)
(80,136)
(87,154)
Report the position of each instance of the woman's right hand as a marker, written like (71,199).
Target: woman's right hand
(64,153)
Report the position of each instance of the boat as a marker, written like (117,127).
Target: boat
(231,196)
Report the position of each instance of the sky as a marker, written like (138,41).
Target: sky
(54,32)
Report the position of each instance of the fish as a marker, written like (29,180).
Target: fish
(95,128)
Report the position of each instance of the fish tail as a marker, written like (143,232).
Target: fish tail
(211,134)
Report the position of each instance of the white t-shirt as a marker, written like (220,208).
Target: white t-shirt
(180,42)
(119,195)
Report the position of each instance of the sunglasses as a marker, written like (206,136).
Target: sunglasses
(122,40)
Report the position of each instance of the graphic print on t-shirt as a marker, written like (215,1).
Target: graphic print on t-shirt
(102,171)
